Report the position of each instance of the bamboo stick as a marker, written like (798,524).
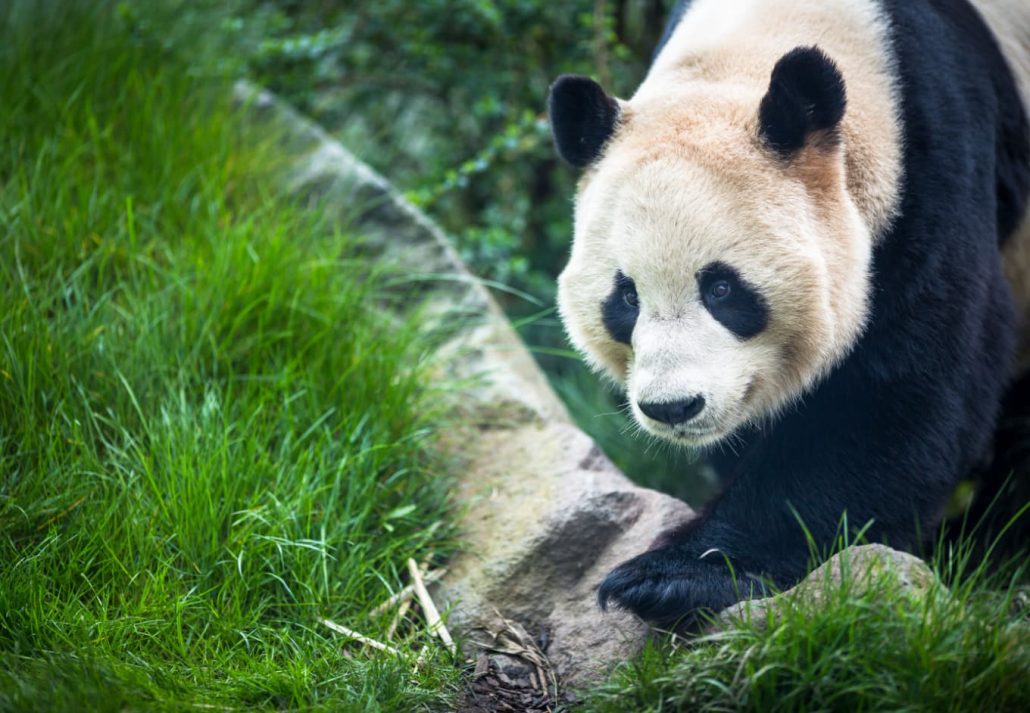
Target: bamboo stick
(406,593)
(436,624)
(360,637)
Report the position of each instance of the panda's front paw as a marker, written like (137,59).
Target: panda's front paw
(667,584)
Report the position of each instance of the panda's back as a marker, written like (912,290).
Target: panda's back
(1009,21)
(1002,43)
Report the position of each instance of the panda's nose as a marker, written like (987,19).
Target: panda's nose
(673,412)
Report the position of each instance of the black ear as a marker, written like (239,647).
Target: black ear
(806,95)
(583,118)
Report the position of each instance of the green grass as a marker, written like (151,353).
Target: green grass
(866,645)
(210,436)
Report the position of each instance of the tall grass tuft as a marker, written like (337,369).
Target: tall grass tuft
(209,434)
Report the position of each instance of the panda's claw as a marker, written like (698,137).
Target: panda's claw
(666,585)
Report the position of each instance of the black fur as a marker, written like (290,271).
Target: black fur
(1011,131)
(583,118)
(997,515)
(743,311)
(884,439)
(618,315)
(806,95)
(666,584)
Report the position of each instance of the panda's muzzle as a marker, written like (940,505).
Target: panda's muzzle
(673,413)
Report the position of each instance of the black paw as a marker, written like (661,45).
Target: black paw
(665,585)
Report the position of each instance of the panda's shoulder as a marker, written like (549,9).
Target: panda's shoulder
(959,92)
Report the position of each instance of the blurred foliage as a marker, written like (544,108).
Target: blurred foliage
(447,99)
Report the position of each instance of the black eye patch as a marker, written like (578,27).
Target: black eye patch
(733,302)
(620,309)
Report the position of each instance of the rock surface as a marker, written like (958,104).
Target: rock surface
(546,514)
(862,572)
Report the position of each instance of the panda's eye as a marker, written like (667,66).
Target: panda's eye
(719,290)
(731,300)
(620,309)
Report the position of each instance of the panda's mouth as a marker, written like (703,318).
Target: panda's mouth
(697,437)
(692,435)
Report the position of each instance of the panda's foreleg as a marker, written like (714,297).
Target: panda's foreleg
(877,458)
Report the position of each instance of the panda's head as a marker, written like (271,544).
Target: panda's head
(719,266)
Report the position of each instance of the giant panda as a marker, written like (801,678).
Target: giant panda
(802,246)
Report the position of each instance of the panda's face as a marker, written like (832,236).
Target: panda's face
(714,307)
(713,278)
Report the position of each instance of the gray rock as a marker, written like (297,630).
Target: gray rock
(867,570)
(549,516)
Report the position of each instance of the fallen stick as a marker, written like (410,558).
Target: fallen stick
(402,610)
(406,593)
(436,624)
(360,637)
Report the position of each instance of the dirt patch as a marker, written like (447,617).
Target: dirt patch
(497,686)
(512,673)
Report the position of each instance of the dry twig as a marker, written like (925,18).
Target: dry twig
(433,619)
(360,637)
(406,593)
